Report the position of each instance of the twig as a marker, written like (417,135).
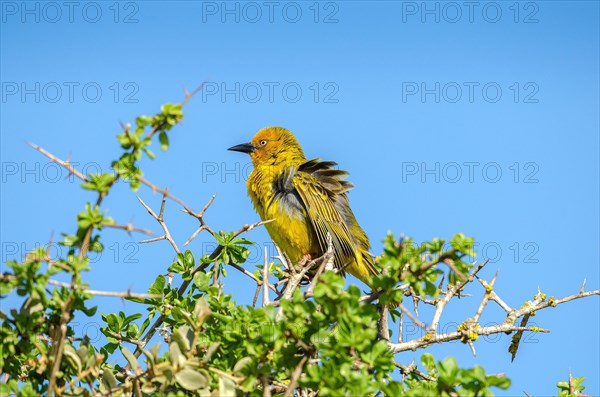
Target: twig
(130,228)
(63,163)
(266,387)
(400,326)
(126,294)
(450,263)
(265,280)
(411,316)
(382,324)
(412,369)
(124,338)
(284,260)
(485,298)
(160,220)
(162,191)
(507,326)
(452,290)
(304,267)
(373,296)
(494,297)
(326,260)
(249,226)
(200,217)
(295,376)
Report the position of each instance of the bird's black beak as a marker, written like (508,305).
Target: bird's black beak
(244,148)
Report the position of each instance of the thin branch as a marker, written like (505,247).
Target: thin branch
(302,268)
(431,339)
(507,326)
(326,260)
(400,326)
(295,376)
(382,324)
(126,294)
(265,280)
(411,316)
(130,228)
(494,297)
(124,338)
(160,220)
(485,298)
(373,296)
(63,163)
(247,227)
(162,191)
(412,369)
(266,387)
(452,290)
(200,217)
(450,263)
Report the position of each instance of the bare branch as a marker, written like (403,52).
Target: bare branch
(452,290)
(295,376)
(200,217)
(382,324)
(63,163)
(507,326)
(485,298)
(160,220)
(494,297)
(412,369)
(162,191)
(411,316)
(265,280)
(130,228)
(247,227)
(126,294)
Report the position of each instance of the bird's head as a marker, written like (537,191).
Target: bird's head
(272,146)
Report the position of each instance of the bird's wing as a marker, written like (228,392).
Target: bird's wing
(322,191)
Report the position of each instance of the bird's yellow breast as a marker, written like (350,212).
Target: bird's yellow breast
(290,229)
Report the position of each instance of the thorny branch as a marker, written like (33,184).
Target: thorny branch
(469,330)
(126,294)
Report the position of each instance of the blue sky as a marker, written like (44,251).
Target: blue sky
(480,118)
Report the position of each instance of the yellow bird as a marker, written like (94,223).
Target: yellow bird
(307,200)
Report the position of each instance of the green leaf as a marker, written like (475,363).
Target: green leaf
(448,370)
(108,378)
(70,352)
(179,336)
(226,387)
(201,311)
(149,153)
(175,355)
(201,281)
(190,379)
(428,362)
(241,364)
(164,140)
(130,357)
(157,287)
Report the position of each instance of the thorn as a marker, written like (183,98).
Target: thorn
(571,386)
(495,277)
(472,346)
(582,290)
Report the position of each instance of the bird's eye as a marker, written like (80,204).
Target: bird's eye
(263,142)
